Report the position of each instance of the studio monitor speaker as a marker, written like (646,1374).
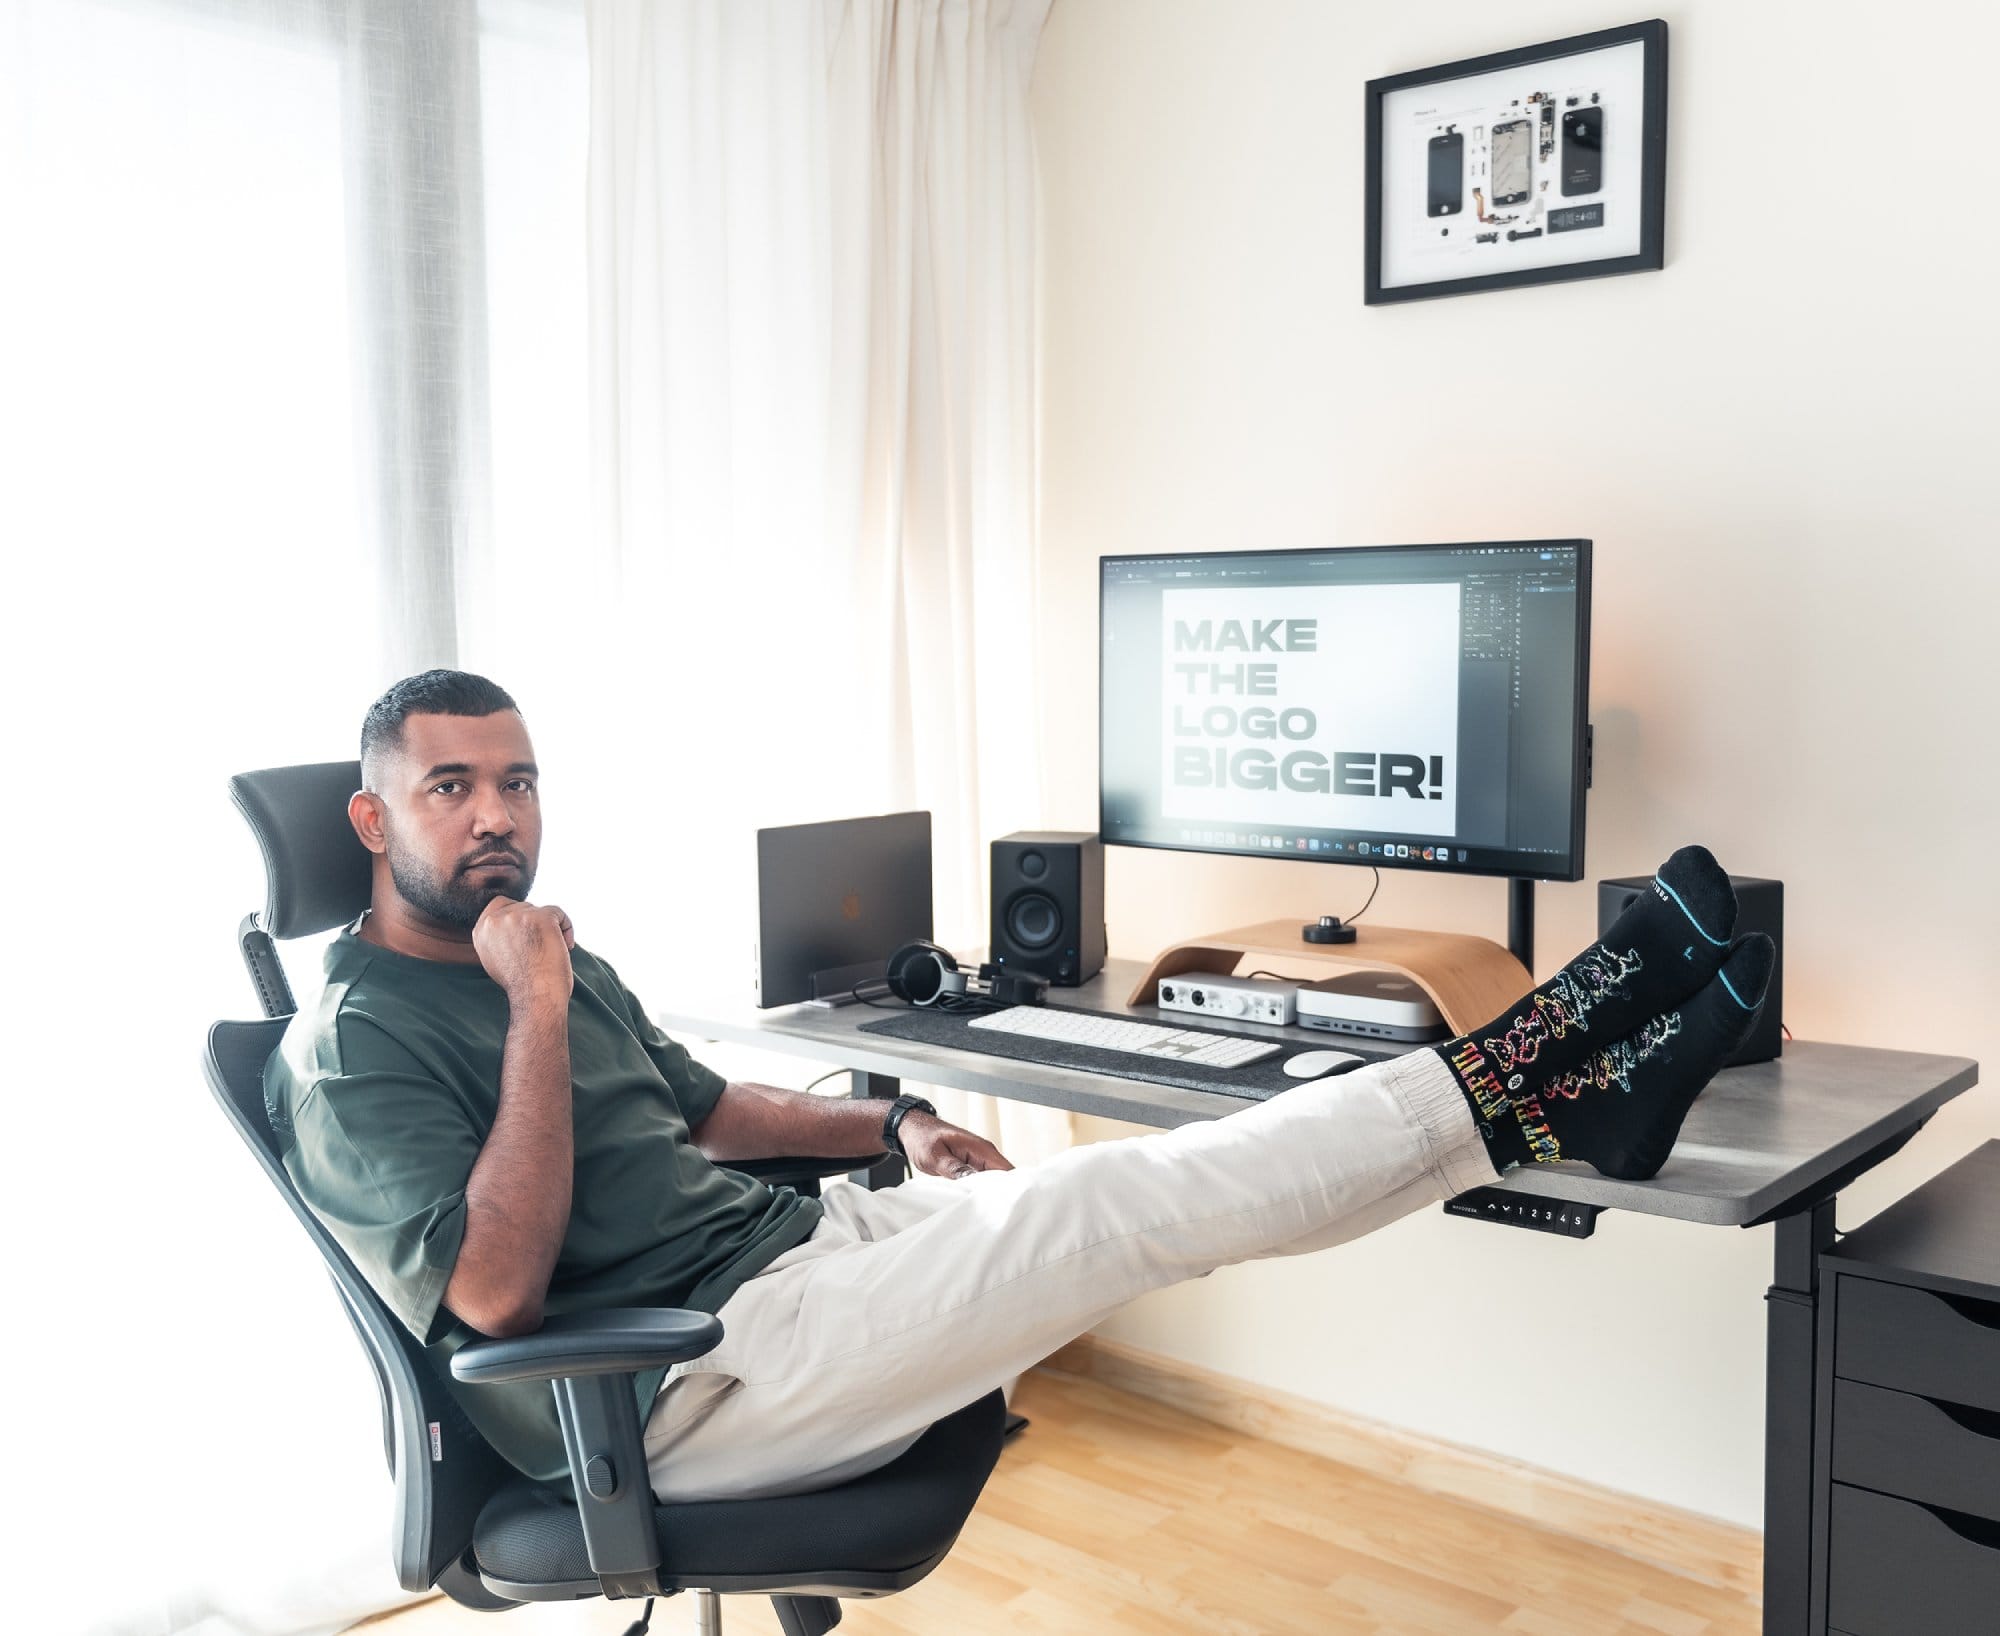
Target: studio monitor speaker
(1760,907)
(1048,905)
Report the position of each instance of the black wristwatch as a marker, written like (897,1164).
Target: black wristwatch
(899,1110)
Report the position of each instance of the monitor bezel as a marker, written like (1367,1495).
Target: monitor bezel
(1570,869)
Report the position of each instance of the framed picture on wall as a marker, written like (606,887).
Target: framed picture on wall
(1524,167)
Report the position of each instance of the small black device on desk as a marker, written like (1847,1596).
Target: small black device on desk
(1760,907)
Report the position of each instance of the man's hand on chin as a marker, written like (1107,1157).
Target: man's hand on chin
(939,1149)
(525,948)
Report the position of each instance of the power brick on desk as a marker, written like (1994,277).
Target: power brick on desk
(1255,1082)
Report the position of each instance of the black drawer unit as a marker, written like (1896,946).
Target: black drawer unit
(1938,1452)
(1902,1569)
(1906,1508)
(1918,1341)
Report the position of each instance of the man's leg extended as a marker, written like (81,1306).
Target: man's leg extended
(847,1348)
(890,1316)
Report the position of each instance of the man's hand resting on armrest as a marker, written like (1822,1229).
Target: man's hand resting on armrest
(763,1122)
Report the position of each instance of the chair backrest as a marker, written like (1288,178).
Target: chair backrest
(444,1470)
(317,874)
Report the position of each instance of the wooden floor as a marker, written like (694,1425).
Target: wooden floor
(1115,1514)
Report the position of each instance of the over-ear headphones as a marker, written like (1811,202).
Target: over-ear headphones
(922,973)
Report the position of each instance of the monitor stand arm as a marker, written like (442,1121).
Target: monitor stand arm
(1521,921)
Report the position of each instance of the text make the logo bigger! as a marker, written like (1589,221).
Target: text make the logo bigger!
(1375,773)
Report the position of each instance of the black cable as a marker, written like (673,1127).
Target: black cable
(969,1002)
(1358,913)
(644,1624)
(944,1002)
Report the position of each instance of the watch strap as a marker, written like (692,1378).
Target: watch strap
(892,1126)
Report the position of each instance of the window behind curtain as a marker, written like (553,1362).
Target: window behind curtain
(208,424)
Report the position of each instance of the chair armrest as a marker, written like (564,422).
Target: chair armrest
(589,1360)
(781,1172)
(615,1341)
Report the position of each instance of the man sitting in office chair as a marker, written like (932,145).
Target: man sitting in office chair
(487,1121)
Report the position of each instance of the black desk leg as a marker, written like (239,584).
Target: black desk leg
(1789,1371)
(891,1170)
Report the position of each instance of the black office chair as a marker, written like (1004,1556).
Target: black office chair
(466,1522)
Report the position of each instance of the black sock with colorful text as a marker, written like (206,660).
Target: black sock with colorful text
(1665,947)
(1622,1108)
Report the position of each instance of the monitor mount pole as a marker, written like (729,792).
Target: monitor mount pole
(1521,922)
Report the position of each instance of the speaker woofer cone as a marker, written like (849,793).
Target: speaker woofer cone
(1034,921)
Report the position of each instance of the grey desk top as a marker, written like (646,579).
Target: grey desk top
(1758,1137)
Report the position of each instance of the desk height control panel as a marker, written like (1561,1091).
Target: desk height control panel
(1529,1210)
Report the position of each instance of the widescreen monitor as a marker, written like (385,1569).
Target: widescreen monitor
(1413,706)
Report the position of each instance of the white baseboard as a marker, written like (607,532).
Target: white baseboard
(1683,1542)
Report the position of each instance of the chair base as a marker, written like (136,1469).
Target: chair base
(797,1615)
(805,1615)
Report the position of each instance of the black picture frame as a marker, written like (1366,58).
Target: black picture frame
(1652,169)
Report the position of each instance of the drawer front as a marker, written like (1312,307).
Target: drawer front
(1918,1449)
(1913,1341)
(1896,1568)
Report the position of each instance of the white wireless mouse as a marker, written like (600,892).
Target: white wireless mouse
(1312,1064)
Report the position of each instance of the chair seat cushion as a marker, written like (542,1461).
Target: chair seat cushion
(901,1516)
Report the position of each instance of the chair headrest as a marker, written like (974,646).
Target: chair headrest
(317,874)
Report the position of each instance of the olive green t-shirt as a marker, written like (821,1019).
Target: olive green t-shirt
(382,1095)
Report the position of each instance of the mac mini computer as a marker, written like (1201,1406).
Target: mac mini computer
(1383,1004)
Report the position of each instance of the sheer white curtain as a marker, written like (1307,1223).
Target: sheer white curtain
(812,276)
(243,434)
(315,363)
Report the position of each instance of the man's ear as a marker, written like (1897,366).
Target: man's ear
(365,813)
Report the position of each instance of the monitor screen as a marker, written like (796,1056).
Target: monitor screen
(1412,706)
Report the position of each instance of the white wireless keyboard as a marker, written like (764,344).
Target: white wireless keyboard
(1133,1038)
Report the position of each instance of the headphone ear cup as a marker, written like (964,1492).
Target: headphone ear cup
(918,972)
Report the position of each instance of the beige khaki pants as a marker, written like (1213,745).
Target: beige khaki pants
(906,1304)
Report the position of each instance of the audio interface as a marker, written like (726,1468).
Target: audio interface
(1245,998)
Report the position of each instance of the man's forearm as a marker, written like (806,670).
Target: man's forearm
(517,1198)
(763,1122)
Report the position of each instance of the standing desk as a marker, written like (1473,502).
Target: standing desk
(1770,1143)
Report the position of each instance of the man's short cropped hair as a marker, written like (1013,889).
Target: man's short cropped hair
(433,693)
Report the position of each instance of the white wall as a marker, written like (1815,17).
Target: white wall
(1783,447)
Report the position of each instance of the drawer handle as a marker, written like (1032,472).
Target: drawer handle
(1980,1422)
(1973,1530)
(1986,1314)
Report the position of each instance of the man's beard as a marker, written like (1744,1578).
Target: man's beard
(456,900)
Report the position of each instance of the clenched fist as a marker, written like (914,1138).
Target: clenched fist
(525,949)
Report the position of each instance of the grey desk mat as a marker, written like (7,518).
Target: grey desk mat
(1255,1082)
